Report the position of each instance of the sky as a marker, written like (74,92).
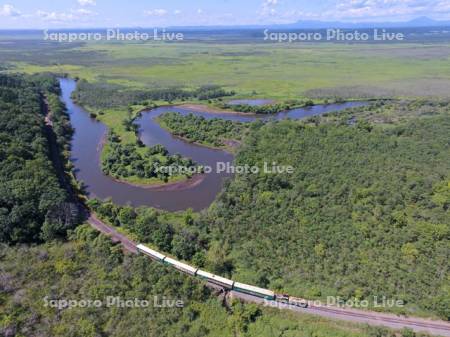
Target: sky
(17,14)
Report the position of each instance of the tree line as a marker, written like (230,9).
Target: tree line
(104,95)
(198,129)
(126,160)
(266,109)
(34,206)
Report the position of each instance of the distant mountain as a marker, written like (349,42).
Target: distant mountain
(418,22)
(312,24)
(424,21)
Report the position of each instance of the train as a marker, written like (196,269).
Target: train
(220,281)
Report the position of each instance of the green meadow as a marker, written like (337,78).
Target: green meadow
(277,71)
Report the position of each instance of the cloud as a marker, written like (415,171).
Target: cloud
(83,12)
(156,12)
(268,7)
(443,6)
(86,2)
(61,17)
(199,11)
(360,10)
(55,16)
(388,8)
(9,10)
(177,12)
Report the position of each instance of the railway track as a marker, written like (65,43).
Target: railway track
(439,328)
(401,321)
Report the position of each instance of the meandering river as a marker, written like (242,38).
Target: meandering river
(89,133)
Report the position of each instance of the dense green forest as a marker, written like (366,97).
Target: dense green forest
(365,213)
(91,267)
(34,205)
(125,160)
(268,109)
(213,132)
(105,95)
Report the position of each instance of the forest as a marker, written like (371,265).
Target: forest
(268,109)
(34,205)
(366,213)
(90,266)
(215,132)
(125,161)
(106,95)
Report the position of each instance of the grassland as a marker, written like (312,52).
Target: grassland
(277,71)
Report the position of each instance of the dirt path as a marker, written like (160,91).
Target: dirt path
(115,236)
